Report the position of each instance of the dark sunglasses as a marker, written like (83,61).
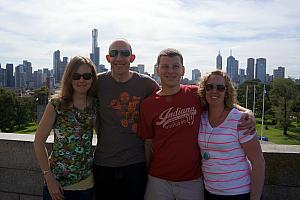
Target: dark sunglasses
(115,53)
(219,87)
(86,76)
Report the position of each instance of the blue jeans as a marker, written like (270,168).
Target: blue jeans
(125,183)
(70,194)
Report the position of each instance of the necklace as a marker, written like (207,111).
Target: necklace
(78,111)
(206,154)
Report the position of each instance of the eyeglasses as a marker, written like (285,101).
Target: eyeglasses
(219,87)
(115,53)
(86,76)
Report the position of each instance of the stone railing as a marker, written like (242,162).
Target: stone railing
(20,176)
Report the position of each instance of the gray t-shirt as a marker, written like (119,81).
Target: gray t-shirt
(118,115)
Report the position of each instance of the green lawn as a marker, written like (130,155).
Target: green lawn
(27,129)
(276,135)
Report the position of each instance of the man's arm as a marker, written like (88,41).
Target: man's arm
(148,152)
(247,120)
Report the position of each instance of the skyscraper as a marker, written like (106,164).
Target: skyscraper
(59,66)
(250,68)
(219,61)
(95,55)
(232,68)
(242,76)
(141,68)
(63,65)
(279,73)
(155,76)
(56,65)
(3,79)
(27,66)
(20,77)
(260,70)
(196,75)
(10,75)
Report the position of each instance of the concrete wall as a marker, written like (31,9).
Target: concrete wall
(20,176)
(282,179)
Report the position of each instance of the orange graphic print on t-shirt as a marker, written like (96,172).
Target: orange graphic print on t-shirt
(126,107)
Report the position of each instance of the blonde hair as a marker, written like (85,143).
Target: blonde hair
(230,92)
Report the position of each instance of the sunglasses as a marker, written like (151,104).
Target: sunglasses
(86,76)
(219,87)
(115,53)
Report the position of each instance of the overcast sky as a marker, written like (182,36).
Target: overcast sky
(33,29)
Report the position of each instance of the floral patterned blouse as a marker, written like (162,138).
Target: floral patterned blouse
(72,155)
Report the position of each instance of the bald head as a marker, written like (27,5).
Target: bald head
(120,42)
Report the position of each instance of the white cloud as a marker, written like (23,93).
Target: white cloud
(33,30)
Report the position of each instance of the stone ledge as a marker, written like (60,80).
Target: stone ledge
(9,196)
(21,181)
(274,192)
(278,148)
(30,137)
(282,169)
(21,178)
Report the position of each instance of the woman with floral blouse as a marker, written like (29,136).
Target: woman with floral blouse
(68,171)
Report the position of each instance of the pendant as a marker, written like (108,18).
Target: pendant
(206,156)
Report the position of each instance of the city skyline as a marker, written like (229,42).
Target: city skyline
(252,29)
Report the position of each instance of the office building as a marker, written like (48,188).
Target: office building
(279,73)
(196,75)
(250,69)
(20,77)
(219,61)
(232,68)
(10,75)
(260,70)
(58,66)
(95,55)
(141,68)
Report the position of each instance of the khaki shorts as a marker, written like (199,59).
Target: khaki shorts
(160,189)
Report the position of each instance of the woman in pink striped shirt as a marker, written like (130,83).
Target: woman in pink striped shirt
(232,162)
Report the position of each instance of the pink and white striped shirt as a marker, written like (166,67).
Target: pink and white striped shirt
(227,170)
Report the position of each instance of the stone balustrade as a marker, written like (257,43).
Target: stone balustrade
(20,176)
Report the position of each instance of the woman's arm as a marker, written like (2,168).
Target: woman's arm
(42,133)
(255,156)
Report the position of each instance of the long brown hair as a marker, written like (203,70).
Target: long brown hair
(230,93)
(66,93)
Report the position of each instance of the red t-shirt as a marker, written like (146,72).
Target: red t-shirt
(172,122)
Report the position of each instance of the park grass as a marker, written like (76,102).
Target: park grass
(27,129)
(275,135)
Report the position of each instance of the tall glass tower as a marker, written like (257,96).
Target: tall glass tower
(95,55)
(219,61)
(250,68)
(260,71)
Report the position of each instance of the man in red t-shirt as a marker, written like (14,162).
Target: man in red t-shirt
(169,124)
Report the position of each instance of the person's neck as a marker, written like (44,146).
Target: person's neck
(122,78)
(216,115)
(168,91)
(80,100)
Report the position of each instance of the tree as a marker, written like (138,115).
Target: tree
(25,109)
(7,109)
(296,107)
(241,92)
(283,95)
